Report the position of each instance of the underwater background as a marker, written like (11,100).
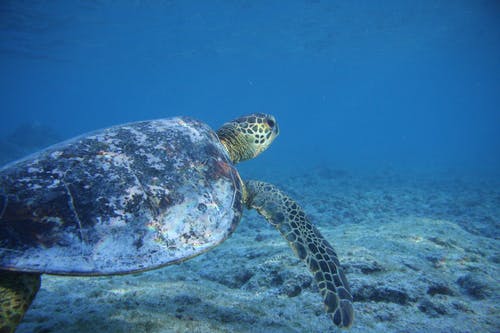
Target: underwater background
(389,138)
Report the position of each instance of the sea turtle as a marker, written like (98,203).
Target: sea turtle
(142,195)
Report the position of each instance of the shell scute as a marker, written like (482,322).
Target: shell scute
(119,200)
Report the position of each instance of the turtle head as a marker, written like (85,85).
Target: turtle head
(248,136)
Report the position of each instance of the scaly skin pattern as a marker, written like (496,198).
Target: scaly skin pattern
(17,291)
(248,136)
(308,244)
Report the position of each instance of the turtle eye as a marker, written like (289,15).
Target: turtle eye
(270,122)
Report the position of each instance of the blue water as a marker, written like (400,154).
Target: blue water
(405,85)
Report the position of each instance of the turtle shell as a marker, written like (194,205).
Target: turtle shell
(127,198)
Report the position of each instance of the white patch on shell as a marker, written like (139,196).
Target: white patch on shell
(185,229)
(130,194)
(53,219)
(55,155)
(108,159)
(162,125)
(120,219)
(154,161)
(157,189)
(58,173)
(34,170)
(139,137)
(55,258)
(108,138)
(194,133)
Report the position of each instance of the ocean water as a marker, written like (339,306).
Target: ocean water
(389,139)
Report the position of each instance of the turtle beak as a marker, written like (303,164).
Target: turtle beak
(271,122)
(276,130)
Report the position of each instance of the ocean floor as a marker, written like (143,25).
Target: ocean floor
(422,254)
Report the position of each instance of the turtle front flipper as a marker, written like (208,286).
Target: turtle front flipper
(17,291)
(307,242)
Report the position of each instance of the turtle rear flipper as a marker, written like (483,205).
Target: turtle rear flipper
(17,291)
(307,242)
